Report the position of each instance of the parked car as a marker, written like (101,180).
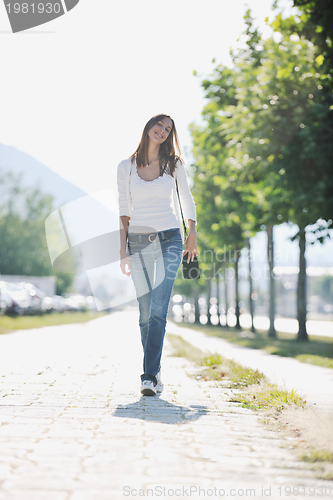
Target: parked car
(21,300)
(36,296)
(7,303)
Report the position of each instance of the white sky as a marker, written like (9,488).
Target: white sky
(76,92)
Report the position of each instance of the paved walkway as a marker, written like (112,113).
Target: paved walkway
(73,425)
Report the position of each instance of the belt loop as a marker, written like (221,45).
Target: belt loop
(140,238)
(162,237)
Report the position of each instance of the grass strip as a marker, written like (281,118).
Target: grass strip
(268,397)
(280,409)
(317,456)
(235,376)
(10,323)
(317,351)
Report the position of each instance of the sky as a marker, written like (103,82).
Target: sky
(76,92)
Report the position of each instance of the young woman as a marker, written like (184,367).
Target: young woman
(151,234)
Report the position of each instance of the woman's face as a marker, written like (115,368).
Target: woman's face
(160,131)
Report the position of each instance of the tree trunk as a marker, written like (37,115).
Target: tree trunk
(218,298)
(301,288)
(196,305)
(237,311)
(209,285)
(270,257)
(251,301)
(226,301)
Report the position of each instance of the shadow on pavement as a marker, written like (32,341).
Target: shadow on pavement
(155,409)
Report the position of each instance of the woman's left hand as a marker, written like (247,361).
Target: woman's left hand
(191,246)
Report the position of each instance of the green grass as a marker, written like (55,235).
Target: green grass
(322,460)
(317,351)
(215,367)
(9,323)
(262,396)
(317,456)
(239,376)
(268,397)
(255,392)
(183,349)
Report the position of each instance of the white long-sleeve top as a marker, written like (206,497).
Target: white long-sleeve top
(154,203)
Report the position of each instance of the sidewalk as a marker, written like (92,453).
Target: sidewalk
(73,424)
(322,328)
(312,382)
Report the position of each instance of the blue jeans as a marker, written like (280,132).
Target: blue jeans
(154,266)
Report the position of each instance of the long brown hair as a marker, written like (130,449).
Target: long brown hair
(167,151)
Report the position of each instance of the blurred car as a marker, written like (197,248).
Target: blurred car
(21,300)
(7,303)
(36,296)
(59,303)
(47,305)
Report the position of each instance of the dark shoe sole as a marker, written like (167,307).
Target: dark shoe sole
(148,392)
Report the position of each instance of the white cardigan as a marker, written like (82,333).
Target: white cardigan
(124,195)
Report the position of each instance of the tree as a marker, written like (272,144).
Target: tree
(220,224)
(23,248)
(317,26)
(266,139)
(302,117)
(227,176)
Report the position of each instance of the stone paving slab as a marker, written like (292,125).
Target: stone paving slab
(74,426)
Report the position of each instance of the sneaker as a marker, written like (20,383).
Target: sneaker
(148,388)
(159,386)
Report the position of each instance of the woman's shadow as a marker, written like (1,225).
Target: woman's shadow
(156,409)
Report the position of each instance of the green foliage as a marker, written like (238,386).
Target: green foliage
(23,249)
(315,26)
(64,282)
(22,215)
(263,155)
(186,287)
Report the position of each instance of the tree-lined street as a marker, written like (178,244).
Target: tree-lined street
(263,153)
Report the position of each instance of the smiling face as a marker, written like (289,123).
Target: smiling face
(159,138)
(160,131)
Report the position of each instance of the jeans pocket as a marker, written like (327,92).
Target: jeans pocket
(175,239)
(131,246)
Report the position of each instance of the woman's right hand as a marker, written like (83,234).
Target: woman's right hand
(125,261)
